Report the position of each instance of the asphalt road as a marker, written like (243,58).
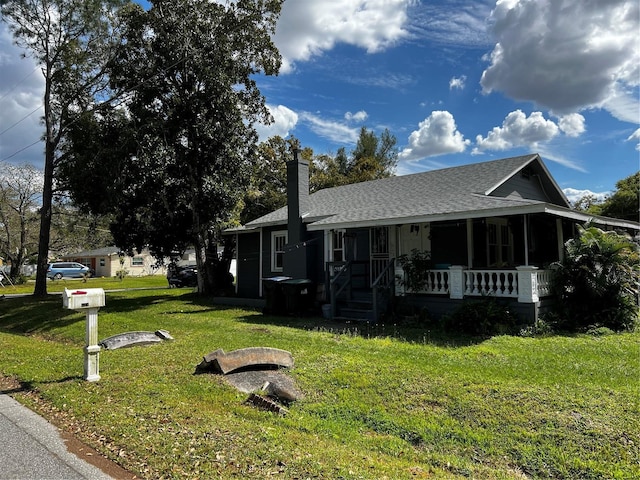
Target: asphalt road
(33,449)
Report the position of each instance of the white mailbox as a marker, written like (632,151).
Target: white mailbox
(83,298)
(89,300)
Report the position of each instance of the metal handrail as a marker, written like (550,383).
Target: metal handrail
(376,284)
(332,286)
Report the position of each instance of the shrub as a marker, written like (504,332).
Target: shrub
(541,327)
(415,266)
(480,317)
(597,282)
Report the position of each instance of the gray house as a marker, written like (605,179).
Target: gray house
(491,228)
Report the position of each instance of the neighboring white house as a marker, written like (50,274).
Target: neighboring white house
(107,261)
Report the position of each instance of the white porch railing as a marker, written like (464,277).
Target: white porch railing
(499,283)
(437,282)
(544,283)
(527,284)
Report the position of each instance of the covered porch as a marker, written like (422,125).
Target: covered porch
(504,257)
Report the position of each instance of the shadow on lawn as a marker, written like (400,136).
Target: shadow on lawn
(428,334)
(11,385)
(121,304)
(31,315)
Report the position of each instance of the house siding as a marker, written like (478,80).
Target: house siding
(522,186)
(248,265)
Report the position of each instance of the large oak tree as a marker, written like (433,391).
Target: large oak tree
(175,159)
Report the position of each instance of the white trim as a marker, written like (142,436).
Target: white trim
(469,243)
(332,245)
(526,239)
(284,235)
(560,238)
(235,288)
(260,262)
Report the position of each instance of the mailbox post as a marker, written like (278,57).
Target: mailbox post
(90,300)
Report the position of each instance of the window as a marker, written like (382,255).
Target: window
(499,243)
(102,262)
(338,246)
(278,241)
(137,262)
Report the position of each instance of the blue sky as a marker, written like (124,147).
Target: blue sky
(456,81)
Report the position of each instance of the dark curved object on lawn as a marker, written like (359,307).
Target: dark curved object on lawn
(130,339)
(254,358)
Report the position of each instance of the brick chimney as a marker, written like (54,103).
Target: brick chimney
(297,196)
(295,260)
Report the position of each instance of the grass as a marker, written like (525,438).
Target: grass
(108,283)
(396,405)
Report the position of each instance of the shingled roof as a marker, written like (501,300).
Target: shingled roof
(98,252)
(456,192)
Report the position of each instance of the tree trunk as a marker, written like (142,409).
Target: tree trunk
(45,224)
(47,191)
(200,245)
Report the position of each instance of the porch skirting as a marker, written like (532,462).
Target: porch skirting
(438,306)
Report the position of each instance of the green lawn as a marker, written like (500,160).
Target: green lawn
(403,404)
(108,283)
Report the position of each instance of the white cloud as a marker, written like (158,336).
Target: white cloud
(457,82)
(518,130)
(359,116)
(454,22)
(567,55)
(573,195)
(436,135)
(371,77)
(284,120)
(308,28)
(635,137)
(572,125)
(334,131)
(560,159)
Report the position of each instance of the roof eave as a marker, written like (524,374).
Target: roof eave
(490,212)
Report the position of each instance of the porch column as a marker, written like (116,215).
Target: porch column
(469,243)
(527,284)
(526,239)
(560,236)
(399,276)
(456,282)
